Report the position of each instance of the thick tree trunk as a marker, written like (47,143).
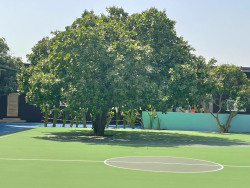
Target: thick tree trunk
(99,122)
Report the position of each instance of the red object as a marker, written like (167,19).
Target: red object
(192,109)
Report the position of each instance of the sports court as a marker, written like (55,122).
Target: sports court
(71,157)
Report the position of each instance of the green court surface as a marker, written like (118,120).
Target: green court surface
(70,157)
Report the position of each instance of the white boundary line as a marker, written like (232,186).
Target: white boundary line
(105,162)
(51,160)
(4,136)
(216,164)
(235,166)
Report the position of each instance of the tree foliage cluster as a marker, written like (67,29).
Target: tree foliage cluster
(115,61)
(231,84)
(8,67)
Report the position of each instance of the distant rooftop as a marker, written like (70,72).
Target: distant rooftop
(245,69)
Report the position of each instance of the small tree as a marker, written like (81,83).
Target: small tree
(152,116)
(130,117)
(231,84)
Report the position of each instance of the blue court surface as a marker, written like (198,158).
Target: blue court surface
(8,127)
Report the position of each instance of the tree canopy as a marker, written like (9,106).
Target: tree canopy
(104,61)
(9,65)
(190,83)
(230,84)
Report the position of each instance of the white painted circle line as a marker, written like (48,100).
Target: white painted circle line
(235,166)
(134,168)
(164,163)
(94,161)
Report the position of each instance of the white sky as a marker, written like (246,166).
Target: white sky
(215,28)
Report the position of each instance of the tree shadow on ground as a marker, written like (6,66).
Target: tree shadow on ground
(141,138)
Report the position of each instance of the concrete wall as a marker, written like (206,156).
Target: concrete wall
(197,121)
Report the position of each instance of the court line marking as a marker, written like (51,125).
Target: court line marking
(95,161)
(51,160)
(235,166)
(216,164)
(163,163)
(4,136)
(178,164)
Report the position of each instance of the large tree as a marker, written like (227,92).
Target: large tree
(9,65)
(106,61)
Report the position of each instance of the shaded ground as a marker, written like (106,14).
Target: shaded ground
(142,138)
(137,138)
(9,127)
